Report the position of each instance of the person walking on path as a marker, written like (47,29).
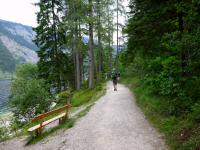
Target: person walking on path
(115,77)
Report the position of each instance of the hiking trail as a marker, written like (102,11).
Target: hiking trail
(114,123)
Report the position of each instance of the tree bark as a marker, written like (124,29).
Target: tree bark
(100,50)
(56,54)
(117,34)
(77,58)
(91,49)
(110,39)
(76,51)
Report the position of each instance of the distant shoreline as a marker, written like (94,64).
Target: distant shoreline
(4,99)
(2,79)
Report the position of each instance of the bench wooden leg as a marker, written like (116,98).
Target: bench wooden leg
(38,131)
(61,120)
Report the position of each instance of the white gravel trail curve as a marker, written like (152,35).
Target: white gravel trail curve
(113,123)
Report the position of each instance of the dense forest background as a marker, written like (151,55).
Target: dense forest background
(75,40)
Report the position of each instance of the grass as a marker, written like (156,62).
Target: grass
(85,95)
(181,133)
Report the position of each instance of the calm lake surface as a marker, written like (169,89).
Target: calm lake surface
(4,94)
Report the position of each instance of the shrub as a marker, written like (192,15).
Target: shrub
(65,97)
(196,112)
(3,133)
(29,95)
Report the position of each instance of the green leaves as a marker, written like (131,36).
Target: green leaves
(29,95)
(164,37)
(54,63)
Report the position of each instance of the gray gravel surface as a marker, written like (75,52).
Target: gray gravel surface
(113,123)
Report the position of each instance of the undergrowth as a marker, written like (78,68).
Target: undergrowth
(181,132)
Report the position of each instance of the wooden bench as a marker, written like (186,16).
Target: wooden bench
(41,118)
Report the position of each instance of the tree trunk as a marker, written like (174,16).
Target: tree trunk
(117,34)
(183,54)
(100,50)
(77,58)
(56,54)
(80,52)
(110,39)
(91,51)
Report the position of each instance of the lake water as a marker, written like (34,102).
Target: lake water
(4,94)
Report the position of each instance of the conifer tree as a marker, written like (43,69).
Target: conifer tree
(50,39)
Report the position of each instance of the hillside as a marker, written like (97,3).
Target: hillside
(16,46)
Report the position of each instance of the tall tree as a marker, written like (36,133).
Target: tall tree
(110,32)
(50,39)
(104,29)
(99,34)
(74,20)
(91,46)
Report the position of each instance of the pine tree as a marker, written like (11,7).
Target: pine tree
(50,39)
(73,20)
(104,28)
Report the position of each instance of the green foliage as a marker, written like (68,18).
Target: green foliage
(3,133)
(163,51)
(62,37)
(180,132)
(55,63)
(71,121)
(81,97)
(29,95)
(163,54)
(195,115)
(26,72)
(64,97)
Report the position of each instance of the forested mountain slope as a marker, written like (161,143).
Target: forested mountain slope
(16,45)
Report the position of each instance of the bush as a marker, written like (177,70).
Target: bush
(65,97)
(99,87)
(3,133)
(196,112)
(29,95)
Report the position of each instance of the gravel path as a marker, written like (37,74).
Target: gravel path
(113,123)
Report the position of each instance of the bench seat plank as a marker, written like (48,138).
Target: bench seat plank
(53,119)
(46,122)
(34,128)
